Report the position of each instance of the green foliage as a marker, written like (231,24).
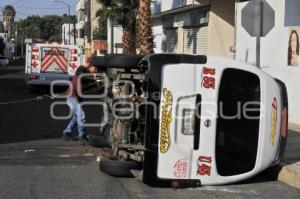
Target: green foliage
(46,28)
(100,33)
(123,12)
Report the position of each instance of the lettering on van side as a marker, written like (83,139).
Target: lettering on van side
(208,79)
(204,166)
(166,119)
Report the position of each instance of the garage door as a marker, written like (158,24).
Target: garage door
(195,40)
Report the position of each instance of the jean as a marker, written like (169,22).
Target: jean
(78,117)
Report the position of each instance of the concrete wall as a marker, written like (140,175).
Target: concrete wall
(274,51)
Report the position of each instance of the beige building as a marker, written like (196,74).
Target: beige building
(87,23)
(95,6)
(194,26)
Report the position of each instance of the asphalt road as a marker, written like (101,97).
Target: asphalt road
(35,163)
(31,120)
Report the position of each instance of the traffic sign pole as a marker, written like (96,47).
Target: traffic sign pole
(259,28)
(258,19)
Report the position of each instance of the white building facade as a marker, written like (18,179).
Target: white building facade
(68,36)
(275,49)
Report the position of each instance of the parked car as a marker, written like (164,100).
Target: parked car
(191,120)
(3,61)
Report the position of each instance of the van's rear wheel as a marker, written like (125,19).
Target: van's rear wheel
(118,167)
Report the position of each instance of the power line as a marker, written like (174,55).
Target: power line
(40,8)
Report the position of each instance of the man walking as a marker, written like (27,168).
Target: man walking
(73,101)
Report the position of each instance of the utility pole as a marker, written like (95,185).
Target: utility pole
(69,24)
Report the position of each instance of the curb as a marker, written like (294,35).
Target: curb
(289,174)
(294,127)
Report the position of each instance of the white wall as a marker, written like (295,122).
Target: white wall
(158,34)
(66,37)
(165,5)
(274,50)
(118,32)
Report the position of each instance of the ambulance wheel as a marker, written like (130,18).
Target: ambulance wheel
(34,88)
(118,167)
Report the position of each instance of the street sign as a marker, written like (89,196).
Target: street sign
(258,25)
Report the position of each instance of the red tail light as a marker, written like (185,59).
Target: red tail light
(35,49)
(74,59)
(284,119)
(35,57)
(33,77)
(74,51)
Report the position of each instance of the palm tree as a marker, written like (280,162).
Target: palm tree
(123,12)
(145,28)
(9,14)
(9,10)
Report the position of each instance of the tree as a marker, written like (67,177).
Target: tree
(145,28)
(9,10)
(48,28)
(123,12)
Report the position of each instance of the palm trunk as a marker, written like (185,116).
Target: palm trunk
(145,28)
(128,39)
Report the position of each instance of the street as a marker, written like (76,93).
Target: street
(36,163)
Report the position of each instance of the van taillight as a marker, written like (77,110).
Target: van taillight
(35,49)
(284,124)
(74,51)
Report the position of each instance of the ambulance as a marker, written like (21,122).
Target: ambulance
(48,62)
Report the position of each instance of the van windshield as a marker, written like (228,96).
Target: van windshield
(238,122)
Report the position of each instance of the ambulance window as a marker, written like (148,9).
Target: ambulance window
(238,122)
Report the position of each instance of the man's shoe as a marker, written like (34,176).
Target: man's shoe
(83,140)
(67,137)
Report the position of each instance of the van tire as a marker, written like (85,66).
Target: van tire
(118,167)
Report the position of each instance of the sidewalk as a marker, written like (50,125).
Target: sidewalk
(289,169)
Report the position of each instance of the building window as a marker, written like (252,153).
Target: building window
(81,33)
(199,18)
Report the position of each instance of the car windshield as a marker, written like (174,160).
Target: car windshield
(238,122)
(1,58)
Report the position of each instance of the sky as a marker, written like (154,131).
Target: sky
(25,8)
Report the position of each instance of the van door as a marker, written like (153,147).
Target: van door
(179,126)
